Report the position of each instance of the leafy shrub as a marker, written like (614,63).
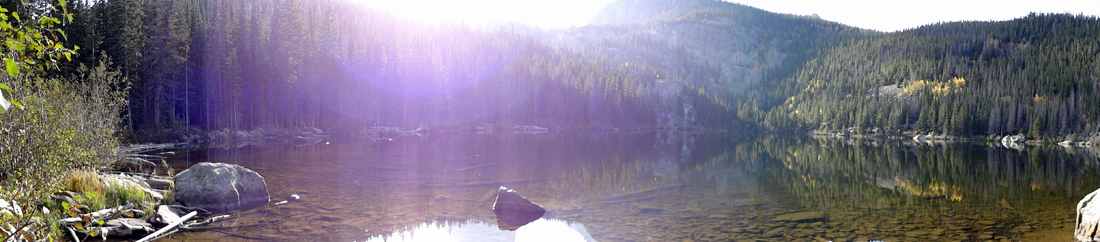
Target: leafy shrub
(64,125)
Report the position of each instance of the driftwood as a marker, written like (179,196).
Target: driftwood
(72,233)
(142,148)
(204,222)
(498,183)
(170,227)
(648,193)
(488,196)
(117,228)
(144,156)
(477,166)
(386,168)
(105,214)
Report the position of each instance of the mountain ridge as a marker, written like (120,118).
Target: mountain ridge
(845,62)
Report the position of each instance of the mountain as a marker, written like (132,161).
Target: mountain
(224,64)
(723,51)
(1036,74)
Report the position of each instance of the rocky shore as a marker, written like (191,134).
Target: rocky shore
(136,197)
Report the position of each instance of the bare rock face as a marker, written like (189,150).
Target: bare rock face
(220,187)
(513,210)
(1088,218)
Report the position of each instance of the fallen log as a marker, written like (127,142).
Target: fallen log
(512,182)
(204,222)
(144,156)
(477,166)
(72,233)
(170,227)
(640,194)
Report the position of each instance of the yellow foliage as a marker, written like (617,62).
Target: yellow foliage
(938,88)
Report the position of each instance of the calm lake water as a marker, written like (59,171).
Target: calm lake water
(657,187)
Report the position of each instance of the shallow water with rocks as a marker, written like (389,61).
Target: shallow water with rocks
(656,186)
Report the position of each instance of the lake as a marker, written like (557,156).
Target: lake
(657,186)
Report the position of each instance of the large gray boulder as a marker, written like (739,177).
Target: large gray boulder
(220,187)
(1088,218)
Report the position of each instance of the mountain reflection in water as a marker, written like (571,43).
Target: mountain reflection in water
(550,230)
(658,187)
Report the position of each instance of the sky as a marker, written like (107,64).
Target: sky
(882,15)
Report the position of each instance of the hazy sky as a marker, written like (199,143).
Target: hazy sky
(883,15)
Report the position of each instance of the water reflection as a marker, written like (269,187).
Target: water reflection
(659,187)
(554,230)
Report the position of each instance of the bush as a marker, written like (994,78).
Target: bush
(65,124)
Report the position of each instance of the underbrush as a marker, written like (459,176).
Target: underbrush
(65,125)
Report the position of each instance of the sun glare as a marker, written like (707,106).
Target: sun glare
(546,14)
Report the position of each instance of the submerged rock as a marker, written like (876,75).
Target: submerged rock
(513,210)
(1088,218)
(800,217)
(220,187)
(165,215)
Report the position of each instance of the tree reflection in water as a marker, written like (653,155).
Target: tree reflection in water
(549,230)
(662,186)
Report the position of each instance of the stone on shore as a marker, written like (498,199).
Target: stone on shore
(1019,138)
(1088,218)
(220,187)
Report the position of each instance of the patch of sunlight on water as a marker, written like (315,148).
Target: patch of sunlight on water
(549,230)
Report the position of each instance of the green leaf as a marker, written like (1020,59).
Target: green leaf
(15,45)
(6,99)
(79,226)
(13,68)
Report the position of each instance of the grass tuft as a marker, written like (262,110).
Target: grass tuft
(82,182)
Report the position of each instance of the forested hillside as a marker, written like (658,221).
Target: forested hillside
(1036,75)
(216,64)
(291,63)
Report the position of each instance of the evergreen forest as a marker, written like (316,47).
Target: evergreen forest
(241,65)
